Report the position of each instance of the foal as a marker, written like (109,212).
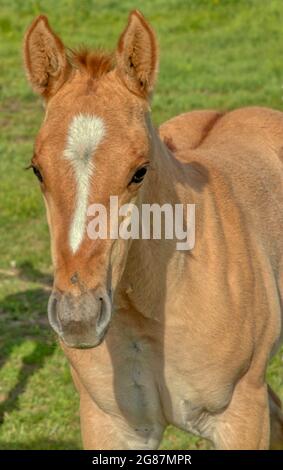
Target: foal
(156,335)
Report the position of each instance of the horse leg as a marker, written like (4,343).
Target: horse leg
(97,429)
(276,420)
(103,431)
(245,422)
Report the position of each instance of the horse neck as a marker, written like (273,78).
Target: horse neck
(165,172)
(150,262)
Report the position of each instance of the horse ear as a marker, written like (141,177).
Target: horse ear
(137,55)
(45,57)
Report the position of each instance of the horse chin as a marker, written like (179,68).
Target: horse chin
(81,344)
(89,342)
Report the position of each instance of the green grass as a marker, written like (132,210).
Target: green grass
(214,54)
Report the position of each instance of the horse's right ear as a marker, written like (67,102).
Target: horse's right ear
(45,58)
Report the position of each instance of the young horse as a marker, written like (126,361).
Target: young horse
(189,333)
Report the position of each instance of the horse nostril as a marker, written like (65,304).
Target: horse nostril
(104,314)
(99,319)
(53,314)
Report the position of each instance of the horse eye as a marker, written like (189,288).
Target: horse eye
(139,175)
(37,173)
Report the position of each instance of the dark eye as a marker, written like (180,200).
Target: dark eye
(37,173)
(139,175)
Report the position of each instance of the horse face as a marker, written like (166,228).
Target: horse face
(96,159)
(94,144)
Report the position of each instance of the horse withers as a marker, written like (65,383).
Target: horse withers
(155,334)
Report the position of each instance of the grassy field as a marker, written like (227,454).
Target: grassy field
(214,54)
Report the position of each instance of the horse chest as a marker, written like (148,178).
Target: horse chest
(145,398)
(136,391)
(144,395)
(131,379)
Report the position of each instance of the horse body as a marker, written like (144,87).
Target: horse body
(191,332)
(169,358)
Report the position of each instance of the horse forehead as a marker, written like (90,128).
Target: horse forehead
(84,134)
(85,131)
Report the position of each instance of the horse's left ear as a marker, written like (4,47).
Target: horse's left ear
(137,55)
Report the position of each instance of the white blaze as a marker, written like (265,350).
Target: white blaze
(84,135)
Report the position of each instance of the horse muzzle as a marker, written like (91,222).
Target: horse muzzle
(80,321)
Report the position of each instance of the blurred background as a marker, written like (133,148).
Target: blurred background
(214,54)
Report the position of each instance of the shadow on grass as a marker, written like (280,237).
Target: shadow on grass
(31,363)
(27,272)
(22,318)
